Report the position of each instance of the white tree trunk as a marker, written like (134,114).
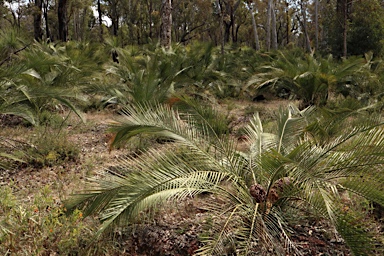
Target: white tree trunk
(305,27)
(254,26)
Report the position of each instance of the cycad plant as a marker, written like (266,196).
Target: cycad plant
(41,79)
(255,192)
(306,77)
(142,77)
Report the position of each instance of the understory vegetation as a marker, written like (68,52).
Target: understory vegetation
(189,151)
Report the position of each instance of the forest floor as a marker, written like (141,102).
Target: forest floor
(176,230)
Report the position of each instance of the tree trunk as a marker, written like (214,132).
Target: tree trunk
(304,26)
(166,24)
(268,26)
(273,24)
(38,31)
(254,27)
(114,17)
(345,27)
(47,31)
(317,24)
(222,38)
(62,18)
(100,20)
(287,27)
(235,30)
(343,8)
(150,10)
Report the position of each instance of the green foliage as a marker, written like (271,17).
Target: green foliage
(144,77)
(39,226)
(11,152)
(52,147)
(283,172)
(367,28)
(306,77)
(42,79)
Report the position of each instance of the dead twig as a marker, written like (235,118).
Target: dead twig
(14,53)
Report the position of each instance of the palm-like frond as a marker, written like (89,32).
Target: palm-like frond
(252,191)
(147,78)
(183,171)
(40,79)
(307,78)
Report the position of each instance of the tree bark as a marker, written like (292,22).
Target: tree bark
(304,26)
(254,26)
(38,31)
(317,24)
(343,8)
(166,24)
(222,38)
(47,31)
(287,27)
(273,24)
(100,20)
(150,10)
(62,18)
(114,17)
(268,25)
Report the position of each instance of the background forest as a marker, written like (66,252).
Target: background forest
(191,127)
(340,27)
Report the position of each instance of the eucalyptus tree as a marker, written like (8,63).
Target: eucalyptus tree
(271,34)
(62,17)
(79,16)
(166,24)
(304,24)
(366,31)
(37,18)
(192,20)
(254,192)
(251,7)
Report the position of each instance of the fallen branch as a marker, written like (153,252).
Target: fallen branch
(14,53)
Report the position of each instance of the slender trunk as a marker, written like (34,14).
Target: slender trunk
(304,26)
(62,18)
(166,24)
(273,24)
(222,44)
(47,31)
(76,24)
(233,22)
(345,27)
(268,26)
(287,20)
(100,20)
(343,9)
(150,10)
(317,24)
(254,26)
(38,31)
(83,25)
(114,17)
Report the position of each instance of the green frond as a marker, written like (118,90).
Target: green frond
(299,175)
(355,235)
(162,121)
